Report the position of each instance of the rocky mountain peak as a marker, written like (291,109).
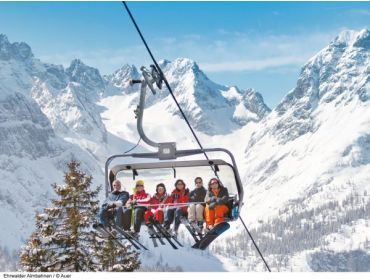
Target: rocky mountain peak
(18,51)
(182,66)
(121,77)
(85,75)
(351,38)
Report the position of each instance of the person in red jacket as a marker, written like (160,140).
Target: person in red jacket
(137,203)
(179,195)
(159,199)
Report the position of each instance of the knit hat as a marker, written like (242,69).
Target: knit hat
(140,182)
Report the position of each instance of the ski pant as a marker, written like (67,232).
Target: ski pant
(138,218)
(174,213)
(109,214)
(216,215)
(158,215)
(196,213)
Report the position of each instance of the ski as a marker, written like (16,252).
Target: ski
(198,230)
(154,235)
(210,236)
(105,232)
(133,240)
(186,223)
(165,233)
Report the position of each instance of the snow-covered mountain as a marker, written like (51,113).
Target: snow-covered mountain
(308,162)
(305,164)
(208,104)
(50,115)
(32,154)
(212,108)
(320,128)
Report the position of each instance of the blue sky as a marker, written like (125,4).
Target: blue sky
(261,45)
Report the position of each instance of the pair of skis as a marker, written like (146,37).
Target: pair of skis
(126,235)
(157,231)
(194,231)
(154,235)
(203,241)
(211,235)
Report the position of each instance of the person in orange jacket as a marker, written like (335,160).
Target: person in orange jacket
(160,199)
(216,203)
(179,195)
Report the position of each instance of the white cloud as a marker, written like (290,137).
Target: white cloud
(363,12)
(239,52)
(230,51)
(258,64)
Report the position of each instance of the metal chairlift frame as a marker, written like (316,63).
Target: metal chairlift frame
(167,153)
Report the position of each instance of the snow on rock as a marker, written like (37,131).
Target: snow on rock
(119,81)
(32,155)
(211,108)
(17,51)
(318,135)
(87,77)
(313,150)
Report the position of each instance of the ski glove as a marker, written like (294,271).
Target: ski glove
(111,206)
(118,203)
(212,205)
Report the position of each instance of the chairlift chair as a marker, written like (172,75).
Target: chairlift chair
(167,156)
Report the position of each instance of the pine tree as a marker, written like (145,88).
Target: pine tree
(64,239)
(115,258)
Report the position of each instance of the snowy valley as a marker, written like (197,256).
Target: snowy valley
(305,164)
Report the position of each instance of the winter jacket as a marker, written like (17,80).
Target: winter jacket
(117,198)
(198,194)
(160,199)
(222,196)
(141,197)
(180,197)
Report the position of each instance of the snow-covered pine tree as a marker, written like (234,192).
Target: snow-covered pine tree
(115,258)
(64,239)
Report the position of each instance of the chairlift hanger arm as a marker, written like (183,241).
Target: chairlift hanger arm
(148,81)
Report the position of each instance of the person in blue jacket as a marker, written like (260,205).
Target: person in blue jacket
(112,206)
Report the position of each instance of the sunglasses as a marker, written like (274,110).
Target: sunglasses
(199,182)
(139,185)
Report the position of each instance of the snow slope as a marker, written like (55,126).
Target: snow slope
(316,139)
(306,165)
